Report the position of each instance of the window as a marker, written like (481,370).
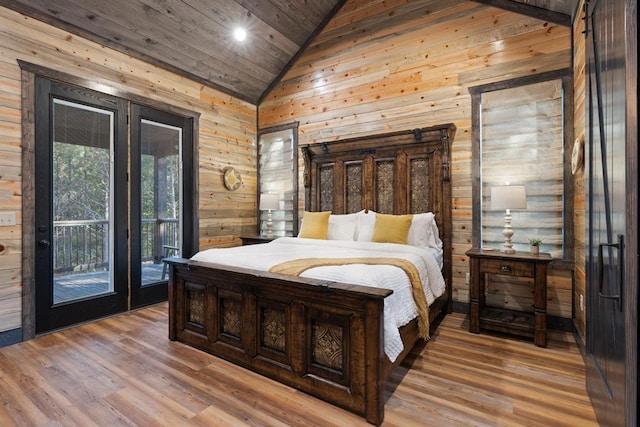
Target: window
(520,130)
(278,174)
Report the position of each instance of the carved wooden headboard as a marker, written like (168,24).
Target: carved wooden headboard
(395,173)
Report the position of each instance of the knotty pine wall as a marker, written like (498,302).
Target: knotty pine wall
(395,65)
(227,136)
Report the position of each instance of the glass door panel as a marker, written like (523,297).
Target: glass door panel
(162,199)
(82,202)
(160,196)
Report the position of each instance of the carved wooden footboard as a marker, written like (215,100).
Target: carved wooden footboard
(324,338)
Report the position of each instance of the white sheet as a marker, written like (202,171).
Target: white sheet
(399,307)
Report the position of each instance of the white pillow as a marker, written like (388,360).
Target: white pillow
(424,232)
(342,227)
(366,223)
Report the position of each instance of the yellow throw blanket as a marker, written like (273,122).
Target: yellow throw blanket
(298,266)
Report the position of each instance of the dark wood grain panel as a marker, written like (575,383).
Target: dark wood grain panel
(631,302)
(557,11)
(279,17)
(496,266)
(28,85)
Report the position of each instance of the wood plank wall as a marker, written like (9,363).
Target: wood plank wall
(227,136)
(395,65)
(404,66)
(580,131)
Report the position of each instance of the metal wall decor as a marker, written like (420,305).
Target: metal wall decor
(231,178)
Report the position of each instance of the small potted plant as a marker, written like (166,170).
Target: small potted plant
(535,245)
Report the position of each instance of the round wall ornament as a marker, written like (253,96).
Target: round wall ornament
(577,155)
(232,179)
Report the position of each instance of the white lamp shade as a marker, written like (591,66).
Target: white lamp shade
(508,197)
(269,202)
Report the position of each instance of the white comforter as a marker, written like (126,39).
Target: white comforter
(399,307)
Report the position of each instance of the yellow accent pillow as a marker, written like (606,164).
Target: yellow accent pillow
(391,228)
(315,225)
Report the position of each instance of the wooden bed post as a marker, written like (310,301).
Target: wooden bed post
(173,303)
(447,228)
(374,400)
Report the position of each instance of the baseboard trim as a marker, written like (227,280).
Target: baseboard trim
(9,337)
(580,341)
(560,324)
(460,307)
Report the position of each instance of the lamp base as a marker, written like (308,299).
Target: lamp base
(269,224)
(507,232)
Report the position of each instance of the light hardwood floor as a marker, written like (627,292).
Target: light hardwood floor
(124,371)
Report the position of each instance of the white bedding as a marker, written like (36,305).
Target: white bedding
(399,307)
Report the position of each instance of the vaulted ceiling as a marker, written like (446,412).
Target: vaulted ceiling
(194,38)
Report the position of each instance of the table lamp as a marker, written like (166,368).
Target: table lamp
(269,202)
(507,197)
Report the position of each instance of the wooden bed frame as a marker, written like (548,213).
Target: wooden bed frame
(322,337)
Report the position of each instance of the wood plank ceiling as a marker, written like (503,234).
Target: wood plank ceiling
(194,38)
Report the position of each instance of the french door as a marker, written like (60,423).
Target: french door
(80,205)
(111,200)
(160,206)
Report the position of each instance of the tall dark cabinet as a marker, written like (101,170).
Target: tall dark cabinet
(612,210)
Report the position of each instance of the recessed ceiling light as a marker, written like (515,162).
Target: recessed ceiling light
(240,34)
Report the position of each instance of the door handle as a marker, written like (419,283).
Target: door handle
(619,246)
(44,243)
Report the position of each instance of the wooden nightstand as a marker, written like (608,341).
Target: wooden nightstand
(520,264)
(255,240)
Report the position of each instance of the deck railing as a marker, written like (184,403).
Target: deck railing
(157,233)
(84,245)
